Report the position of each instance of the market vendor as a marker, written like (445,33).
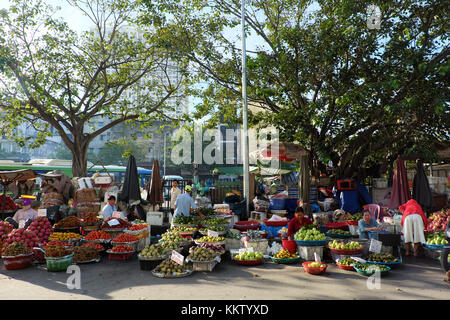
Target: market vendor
(174,193)
(413,223)
(28,212)
(110,208)
(366,224)
(299,220)
(185,204)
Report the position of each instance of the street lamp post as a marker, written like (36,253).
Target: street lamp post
(244,113)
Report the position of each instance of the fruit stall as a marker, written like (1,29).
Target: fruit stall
(7,204)
(192,244)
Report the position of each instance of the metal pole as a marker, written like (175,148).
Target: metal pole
(164,152)
(244,113)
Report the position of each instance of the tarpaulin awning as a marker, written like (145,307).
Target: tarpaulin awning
(283,151)
(17,175)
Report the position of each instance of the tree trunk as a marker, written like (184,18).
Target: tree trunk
(79,156)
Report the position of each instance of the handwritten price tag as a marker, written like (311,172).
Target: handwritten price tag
(21,224)
(42,212)
(317,258)
(359,259)
(375,246)
(113,222)
(212,233)
(177,257)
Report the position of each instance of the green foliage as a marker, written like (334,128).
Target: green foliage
(54,76)
(117,152)
(319,74)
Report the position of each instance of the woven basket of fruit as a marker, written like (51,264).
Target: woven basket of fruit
(346,263)
(171,269)
(313,267)
(340,234)
(368,269)
(248,262)
(286,260)
(345,248)
(383,259)
(246,225)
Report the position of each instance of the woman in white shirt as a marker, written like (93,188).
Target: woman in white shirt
(174,193)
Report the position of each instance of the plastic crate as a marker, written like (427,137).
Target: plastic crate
(149,265)
(204,265)
(272,230)
(277,204)
(120,256)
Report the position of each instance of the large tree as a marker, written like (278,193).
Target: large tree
(51,75)
(319,73)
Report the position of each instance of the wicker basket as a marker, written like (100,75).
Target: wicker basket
(133,244)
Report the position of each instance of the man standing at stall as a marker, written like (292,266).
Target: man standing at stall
(185,204)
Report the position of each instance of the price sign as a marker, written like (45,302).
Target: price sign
(375,246)
(212,233)
(317,258)
(242,250)
(21,223)
(217,259)
(42,212)
(177,257)
(113,222)
(250,249)
(116,214)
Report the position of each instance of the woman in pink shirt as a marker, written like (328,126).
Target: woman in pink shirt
(29,211)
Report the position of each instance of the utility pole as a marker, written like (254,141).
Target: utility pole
(245,114)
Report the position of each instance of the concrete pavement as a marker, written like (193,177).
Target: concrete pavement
(417,279)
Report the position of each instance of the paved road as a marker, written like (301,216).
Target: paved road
(417,278)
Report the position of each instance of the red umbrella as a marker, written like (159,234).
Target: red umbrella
(400,188)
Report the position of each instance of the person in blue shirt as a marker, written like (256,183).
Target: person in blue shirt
(367,224)
(185,204)
(108,210)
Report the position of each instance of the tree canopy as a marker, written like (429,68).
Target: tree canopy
(51,75)
(346,92)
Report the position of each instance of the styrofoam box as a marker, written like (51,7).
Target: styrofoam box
(155,218)
(307,253)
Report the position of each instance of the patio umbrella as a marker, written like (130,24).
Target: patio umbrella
(155,195)
(421,188)
(131,192)
(400,187)
(304,184)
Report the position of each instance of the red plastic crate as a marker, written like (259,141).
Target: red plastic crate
(120,257)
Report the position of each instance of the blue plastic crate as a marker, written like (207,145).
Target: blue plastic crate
(272,231)
(277,204)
